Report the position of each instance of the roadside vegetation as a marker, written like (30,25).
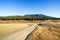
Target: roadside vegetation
(47,30)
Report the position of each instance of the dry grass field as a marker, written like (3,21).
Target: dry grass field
(17,21)
(12,26)
(6,29)
(47,30)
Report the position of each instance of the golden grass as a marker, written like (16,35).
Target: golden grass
(6,29)
(17,21)
(48,30)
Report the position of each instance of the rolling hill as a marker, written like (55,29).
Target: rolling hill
(28,17)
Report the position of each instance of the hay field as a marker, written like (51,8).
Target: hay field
(47,30)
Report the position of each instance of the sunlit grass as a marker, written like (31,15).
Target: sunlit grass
(49,30)
(6,29)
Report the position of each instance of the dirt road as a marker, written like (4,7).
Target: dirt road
(21,35)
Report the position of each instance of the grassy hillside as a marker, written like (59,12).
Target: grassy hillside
(47,30)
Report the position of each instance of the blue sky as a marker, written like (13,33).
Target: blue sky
(22,7)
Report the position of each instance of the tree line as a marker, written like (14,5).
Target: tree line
(25,18)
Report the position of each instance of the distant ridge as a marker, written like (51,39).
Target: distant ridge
(39,16)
